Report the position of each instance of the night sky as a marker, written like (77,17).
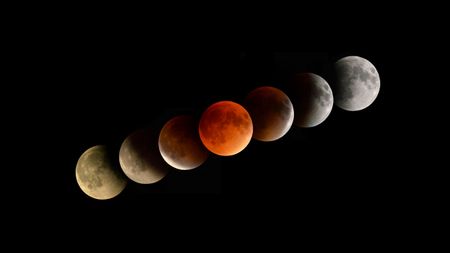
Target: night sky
(103,88)
(78,76)
(113,92)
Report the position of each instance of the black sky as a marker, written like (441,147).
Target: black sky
(91,87)
(83,75)
(106,91)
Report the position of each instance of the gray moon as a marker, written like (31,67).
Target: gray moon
(356,83)
(98,175)
(271,111)
(180,144)
(140,159)
(312,98)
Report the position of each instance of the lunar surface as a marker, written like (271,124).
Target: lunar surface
(356,83)
(98,175)
(312,98)
(271,111)
(225,128)
(140,158)
(180,144)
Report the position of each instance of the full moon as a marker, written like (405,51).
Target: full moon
(180,144)
(98,175)
(312,98)
(356,83)
(225,128)
(271,111)
(140,159)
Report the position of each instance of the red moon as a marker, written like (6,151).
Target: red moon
(225,128)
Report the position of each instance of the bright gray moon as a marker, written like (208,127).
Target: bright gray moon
(140,159)
(356,83)
(312,99)
(98,175)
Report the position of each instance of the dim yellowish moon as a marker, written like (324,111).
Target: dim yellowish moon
(98,175)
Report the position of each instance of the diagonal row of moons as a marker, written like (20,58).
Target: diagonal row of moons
(226,128)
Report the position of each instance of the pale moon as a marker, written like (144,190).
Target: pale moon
(356,83)
(312,98)
(180,144)
(140,159)
(271,112)
(98,175)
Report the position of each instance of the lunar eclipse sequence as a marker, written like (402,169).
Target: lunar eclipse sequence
(225,128)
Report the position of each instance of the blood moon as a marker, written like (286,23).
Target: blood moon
(225,128)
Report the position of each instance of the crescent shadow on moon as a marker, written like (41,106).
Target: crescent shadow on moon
(98,175)
(140,158)
(312,98)
(180,144)
(271,111)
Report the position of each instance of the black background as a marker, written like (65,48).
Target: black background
(109,89)
(94,83)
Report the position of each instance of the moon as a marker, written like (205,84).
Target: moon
(271,112)
(180,144)
(225,128)
(97,174)
(356,83)
(140,159)
(312,98)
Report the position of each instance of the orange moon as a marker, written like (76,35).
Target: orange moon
(180,145)
(225,128)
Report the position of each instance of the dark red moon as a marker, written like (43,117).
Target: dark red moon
(180,145)
(225,128)
(271,111)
